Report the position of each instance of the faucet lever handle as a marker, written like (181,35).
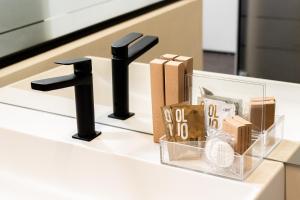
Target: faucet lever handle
(73,61)
(120,47)
(142,46)
(54,83)
(81,65)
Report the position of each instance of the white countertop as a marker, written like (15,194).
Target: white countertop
(44,141)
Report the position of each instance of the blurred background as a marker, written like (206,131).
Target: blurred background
(260,38)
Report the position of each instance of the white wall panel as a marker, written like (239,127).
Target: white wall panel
(220,24)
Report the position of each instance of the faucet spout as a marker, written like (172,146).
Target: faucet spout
(83,81)
(123,53)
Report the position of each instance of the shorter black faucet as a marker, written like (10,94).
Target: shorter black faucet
(122,56)
(82,79)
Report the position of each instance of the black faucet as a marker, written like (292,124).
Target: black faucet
(122,56)
(82,79)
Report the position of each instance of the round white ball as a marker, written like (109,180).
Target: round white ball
(219,153)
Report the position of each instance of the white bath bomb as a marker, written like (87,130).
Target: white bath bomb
(219,153)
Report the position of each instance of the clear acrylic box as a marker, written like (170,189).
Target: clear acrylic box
(191,154)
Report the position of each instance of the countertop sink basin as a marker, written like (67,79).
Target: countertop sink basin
(39,168)
(45,169)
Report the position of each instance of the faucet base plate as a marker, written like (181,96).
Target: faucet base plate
(76,136)
(123,117)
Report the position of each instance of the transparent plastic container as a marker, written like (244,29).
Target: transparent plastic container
(192,155)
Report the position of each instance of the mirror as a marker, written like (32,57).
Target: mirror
(269,45)
(31,26)
(253,38)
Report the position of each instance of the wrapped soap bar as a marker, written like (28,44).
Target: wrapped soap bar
(216,111)
(168,121)
(218,108)
(237,102)
(184,122)
(188,122)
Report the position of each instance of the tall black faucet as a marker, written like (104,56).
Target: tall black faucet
(82,79)
(122,56)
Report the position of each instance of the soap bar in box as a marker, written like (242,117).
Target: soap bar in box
(188,64)
(262,113)
(169,56)
(248,136)
(187,61)
(174,82)
(158,96)
(240,130)
(236,130)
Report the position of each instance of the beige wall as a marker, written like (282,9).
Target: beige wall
(179,27)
